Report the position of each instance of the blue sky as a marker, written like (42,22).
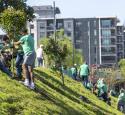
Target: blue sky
(86,8)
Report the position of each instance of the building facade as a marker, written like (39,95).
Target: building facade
(120,42)
(100,40)
(97,38)
(44,27)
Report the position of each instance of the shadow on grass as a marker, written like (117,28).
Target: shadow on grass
(58,103)
(46,76)
(42,76)
(57,89)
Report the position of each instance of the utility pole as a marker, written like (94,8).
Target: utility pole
(54,19)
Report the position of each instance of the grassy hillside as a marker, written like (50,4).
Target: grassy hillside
(50,97)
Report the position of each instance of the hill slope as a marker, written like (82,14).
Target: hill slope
(50,97)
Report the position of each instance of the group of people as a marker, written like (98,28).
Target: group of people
(100,87)
(25,57)
(25,60)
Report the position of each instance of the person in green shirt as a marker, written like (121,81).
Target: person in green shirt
(74,71)
(121,101)
(99,84)
(89,85)
(27,43)
(103,90)
(84,73)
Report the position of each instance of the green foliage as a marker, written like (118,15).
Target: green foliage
(12,21)
(50,97)
(17,5)
(61,50)
(122,67)
(56,51)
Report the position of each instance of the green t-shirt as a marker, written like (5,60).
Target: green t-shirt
(99,83)
(84,70)
(73,70)
(89,85)
(103,88)
(121,97)
(27,44)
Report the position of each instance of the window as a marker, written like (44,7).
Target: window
(106,41)
(31,26)
(106,23)
(95,23)
(106,33)
(95,49)
(78,24)
(108,59)
(42,34)
(69,25)
(108,50)
(42,25)
(119,47)
(95,59)
(78,46)
(59,25)
(50,26)
(119,39)
(68,33)
(95,33)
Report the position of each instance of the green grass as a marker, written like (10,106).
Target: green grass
(50,97)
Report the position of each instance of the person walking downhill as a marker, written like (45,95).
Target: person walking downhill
(121,101)
(74,72)
(84,73)
(39,55)
(27,43)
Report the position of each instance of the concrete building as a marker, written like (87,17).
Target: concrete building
(120,42)
(45,11)
(44,27)
(99,39)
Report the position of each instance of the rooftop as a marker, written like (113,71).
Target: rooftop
(46,8)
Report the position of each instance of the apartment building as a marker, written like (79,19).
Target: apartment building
(100,39)
(120,42)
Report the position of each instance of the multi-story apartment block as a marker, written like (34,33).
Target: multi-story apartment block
(120,42)
(44,27)
(99,39)
(87,38)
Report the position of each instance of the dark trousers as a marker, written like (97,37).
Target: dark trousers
(105,96)
(40,61)
(121,106)
(84,80)
(19,61)
(74,75)
(5,69)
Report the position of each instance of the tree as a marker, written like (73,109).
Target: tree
(17,5)
(60,51)
(122,67)
(12,21)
